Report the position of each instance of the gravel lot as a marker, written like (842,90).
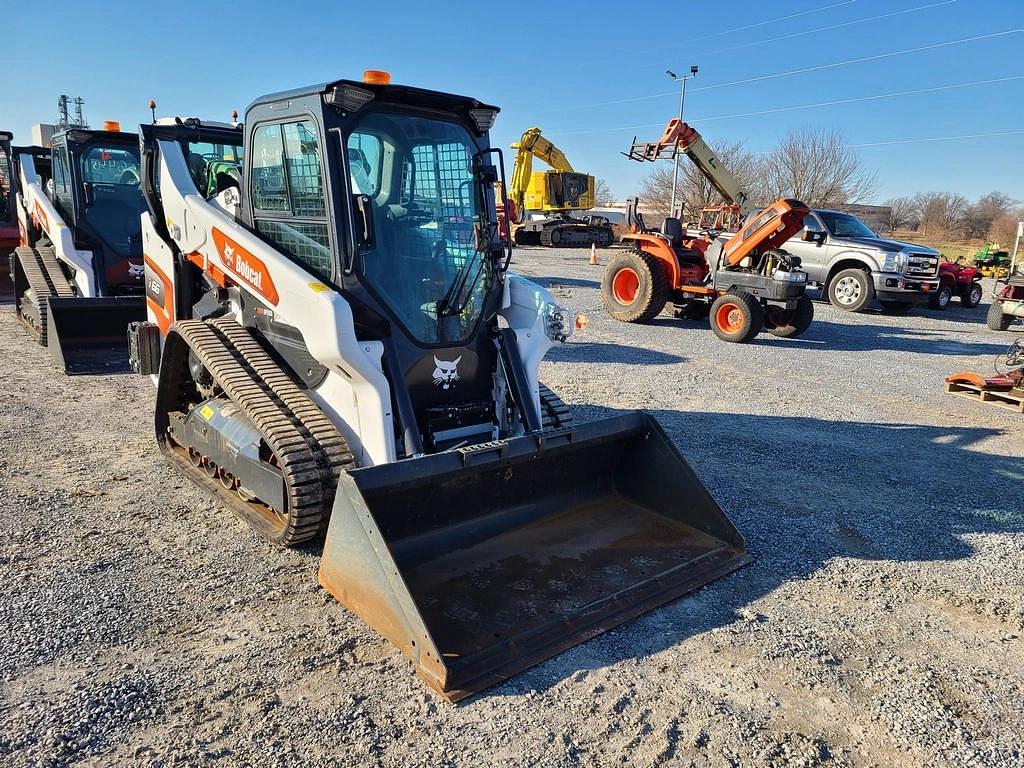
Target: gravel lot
(881,624)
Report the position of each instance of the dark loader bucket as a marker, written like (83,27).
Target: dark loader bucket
(478,563)
(91,335)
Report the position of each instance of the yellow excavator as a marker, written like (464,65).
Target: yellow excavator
(557,194)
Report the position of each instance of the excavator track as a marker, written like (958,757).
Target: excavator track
(44,278)
(303,443)
(575,235)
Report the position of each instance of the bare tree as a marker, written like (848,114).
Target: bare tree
(603,196)
(902,213)
(979,217)
(1004,228)
(816,167)
(940,213)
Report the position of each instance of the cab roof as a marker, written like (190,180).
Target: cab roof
(400,94)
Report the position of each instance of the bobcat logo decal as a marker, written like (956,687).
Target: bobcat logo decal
(446,373)
(136,271)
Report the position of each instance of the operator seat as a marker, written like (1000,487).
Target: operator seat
(672,230)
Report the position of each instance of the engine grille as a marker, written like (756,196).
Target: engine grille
(922,265)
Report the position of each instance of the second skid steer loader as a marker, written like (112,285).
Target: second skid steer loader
(78,271)
(341,352)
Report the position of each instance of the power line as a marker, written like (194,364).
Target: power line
(802,106)
(891,142)
(836,26)
(772,21)
(802,70)
(1014,132)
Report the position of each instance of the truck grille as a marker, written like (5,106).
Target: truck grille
(922,265)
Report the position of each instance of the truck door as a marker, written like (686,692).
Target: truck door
(813,256)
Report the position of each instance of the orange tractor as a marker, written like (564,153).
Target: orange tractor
(744,283)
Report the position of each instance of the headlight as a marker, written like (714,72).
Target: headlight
(902,259)
(559,322)
(794,276)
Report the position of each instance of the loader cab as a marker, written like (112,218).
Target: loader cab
(387,193)
(95,187)
(8,216)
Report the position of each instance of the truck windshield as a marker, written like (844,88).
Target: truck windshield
(844,225)
(115,200)
(424,260)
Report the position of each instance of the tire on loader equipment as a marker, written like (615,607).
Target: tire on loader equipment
(634,287)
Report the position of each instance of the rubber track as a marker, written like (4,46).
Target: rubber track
(309,450)
(554,412)
(45,278)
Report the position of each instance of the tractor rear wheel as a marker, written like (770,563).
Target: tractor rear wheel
(790,323)
(634,287)
(736,317)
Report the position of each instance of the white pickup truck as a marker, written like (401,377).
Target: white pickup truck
(852,264)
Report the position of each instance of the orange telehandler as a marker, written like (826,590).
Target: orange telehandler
(745,283)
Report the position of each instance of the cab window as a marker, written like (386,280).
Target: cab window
(288,197)
(214,167)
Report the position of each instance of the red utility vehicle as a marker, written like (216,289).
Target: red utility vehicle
(957,280)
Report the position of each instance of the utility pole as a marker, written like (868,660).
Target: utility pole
(682,101)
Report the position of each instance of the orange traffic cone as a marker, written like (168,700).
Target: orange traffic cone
(593,255)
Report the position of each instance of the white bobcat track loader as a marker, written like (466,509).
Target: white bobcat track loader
(78,270)
(341,353)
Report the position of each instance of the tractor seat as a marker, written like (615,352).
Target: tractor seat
(672,229)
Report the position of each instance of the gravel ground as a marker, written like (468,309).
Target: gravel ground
(880,625)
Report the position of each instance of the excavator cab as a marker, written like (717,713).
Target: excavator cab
(346,355)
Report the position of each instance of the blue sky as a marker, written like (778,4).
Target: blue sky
(207,58)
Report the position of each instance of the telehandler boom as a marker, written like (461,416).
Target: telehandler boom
(340,352)
(78,271)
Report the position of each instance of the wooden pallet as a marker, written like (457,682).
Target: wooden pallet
(1010,399)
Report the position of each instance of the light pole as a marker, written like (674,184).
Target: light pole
(682,100)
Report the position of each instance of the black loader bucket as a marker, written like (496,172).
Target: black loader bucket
(478,563)
(91,335)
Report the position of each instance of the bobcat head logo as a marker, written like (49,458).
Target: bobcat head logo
(446,373)
(136,271)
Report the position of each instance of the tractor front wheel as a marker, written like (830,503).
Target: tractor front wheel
(634,287)
(736,317)
(997,320)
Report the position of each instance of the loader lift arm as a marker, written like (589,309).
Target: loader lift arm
(680,137)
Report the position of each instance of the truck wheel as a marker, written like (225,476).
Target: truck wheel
(971,296)
(790,323)
(736,317)
(997,320)
(634,287)
(941,298)
(898,307)
(850,289)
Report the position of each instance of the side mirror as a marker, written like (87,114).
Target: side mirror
(364,223)
(88,194)
(815,236)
